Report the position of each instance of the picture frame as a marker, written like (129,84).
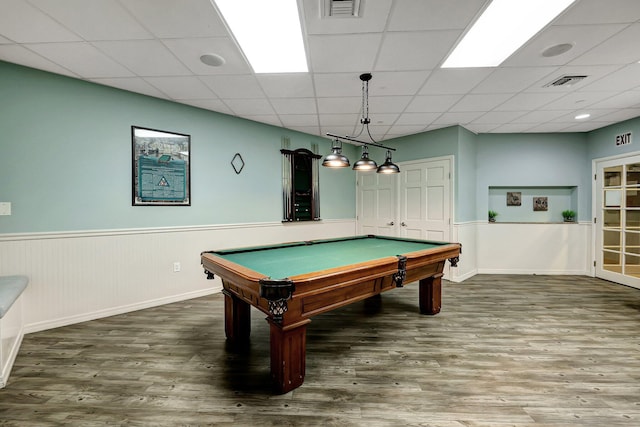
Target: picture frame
(540,204)
(161,167)
(514,198)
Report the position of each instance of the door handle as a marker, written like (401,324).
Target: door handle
(403,224)
(390,223)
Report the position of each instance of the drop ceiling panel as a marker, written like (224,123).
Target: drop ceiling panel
(294,106)
(209,104)
(84,59)
(529,101)
(512,80)
(539,117)
(265,118)
(432,104)
(177,19)
(182,87)
(498,117)
(582,37)
(620,80)
(480,102)
(250,107)
(416,15)
(423,119)
(189,51)
(297,120)
(102,20)
(144,57)
(387,104)
(351,52)
(338,85)
(630,99)
(386,83)
(622,48)
(593,73)
(454,80)
(132,84)
(576,100)
(462,117)
(295,85)
(344,120)
(234,86)
(339,105)
(599,12)
(414,50)
(18,54)
(23,23)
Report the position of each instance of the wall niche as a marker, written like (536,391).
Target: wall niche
(543,204)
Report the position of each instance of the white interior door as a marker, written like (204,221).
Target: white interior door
(617,220)
(425,199)
(377,204)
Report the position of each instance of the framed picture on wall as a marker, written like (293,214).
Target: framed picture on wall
(161,167)
(514,198)
(540,204)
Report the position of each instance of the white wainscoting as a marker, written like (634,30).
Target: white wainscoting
(514,248)
(80,276)
(465,234)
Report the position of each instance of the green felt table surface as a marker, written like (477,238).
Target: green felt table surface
(287,260)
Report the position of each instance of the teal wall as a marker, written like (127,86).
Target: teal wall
(602,142)
(65,161)
(466,199)
(533,160)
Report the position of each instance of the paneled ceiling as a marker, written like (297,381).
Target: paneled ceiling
(153,47)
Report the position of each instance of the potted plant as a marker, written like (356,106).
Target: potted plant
(569,215)
(492,216)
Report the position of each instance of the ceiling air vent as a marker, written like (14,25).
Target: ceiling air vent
(566,81)
(340,8)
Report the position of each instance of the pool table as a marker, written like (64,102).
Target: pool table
(293,282)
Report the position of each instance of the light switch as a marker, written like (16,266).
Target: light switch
(5,208)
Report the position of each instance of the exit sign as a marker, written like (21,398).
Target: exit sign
(623,139)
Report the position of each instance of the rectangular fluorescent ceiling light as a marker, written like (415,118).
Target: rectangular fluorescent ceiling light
(503,27)
(268,32)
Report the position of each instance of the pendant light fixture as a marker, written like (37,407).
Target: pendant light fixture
(365,163)
(337,159)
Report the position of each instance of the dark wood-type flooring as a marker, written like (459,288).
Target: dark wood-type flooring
(504,351)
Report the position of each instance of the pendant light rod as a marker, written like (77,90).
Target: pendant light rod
(354,141)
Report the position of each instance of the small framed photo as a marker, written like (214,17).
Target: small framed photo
(161,172)
(514,198)
(540,204)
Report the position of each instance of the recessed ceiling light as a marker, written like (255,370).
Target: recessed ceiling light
(212,59)
(268,32)
(502,28)
(583,116)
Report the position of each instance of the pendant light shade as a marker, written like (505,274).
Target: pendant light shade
(336,159)
(388,166)
(365,163)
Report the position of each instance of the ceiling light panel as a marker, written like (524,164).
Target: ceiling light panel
(503,28)
(268,32)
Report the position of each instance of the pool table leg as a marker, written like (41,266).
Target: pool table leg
(237,318)
(431,294)
(288,355)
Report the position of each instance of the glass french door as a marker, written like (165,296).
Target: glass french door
(618,221)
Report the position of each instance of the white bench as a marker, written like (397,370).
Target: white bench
(11,322)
